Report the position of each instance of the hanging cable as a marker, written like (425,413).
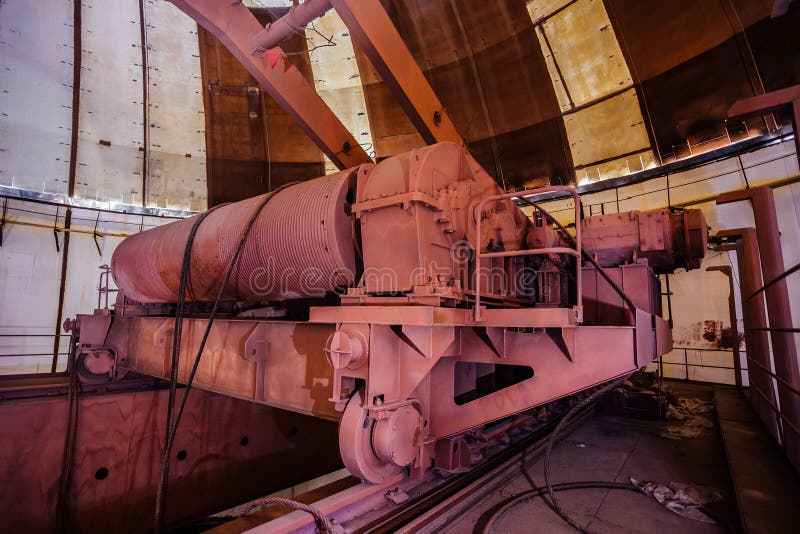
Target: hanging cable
(526,496)
(68,459)
(554,439)
(323,523)
(174,360)
(172,428)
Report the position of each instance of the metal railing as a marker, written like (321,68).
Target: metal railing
(479,254)
(37,353)
(761,373)
(103,286)
(687,365)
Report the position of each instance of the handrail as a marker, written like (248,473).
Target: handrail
(586,256)
(529,252)
(774,281)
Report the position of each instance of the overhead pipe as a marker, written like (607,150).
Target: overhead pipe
(298,17)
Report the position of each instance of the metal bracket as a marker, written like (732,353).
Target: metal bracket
(95,235)
(55,231)
(162,337)
(257,344)
(398,330)
(564,338)
(3,219)
(256,349)
(493,337)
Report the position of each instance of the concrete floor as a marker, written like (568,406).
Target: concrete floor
(612,448)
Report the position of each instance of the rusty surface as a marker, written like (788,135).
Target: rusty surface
(374,33)
(736,340)
(253,145)
(421,347)
(783,99)
(301,245)
(234,451)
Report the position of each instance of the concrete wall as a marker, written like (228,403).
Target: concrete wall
(30,275)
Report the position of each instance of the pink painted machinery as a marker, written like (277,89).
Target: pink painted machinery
(412,300)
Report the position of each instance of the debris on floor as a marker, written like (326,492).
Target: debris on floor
(685,500)
(692,416)
(641,396)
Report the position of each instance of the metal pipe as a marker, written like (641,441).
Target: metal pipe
(292,23)
(774,281)
(778,302)
(754,316)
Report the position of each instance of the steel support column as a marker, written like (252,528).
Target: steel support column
(779,310)
(233,24)
(754,317)
(373,31)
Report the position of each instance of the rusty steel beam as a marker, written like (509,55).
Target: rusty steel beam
(233,24)
(373,31)
(762,104)
(755,106)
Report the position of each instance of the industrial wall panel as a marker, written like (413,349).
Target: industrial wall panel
(606,130)
(337,78)
(30,274)
(585,46)
(176,152)
(111,130)
(699,298)
(85,260)
(36,53)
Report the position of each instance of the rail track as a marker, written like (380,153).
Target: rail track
(435,509)
(430,504)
